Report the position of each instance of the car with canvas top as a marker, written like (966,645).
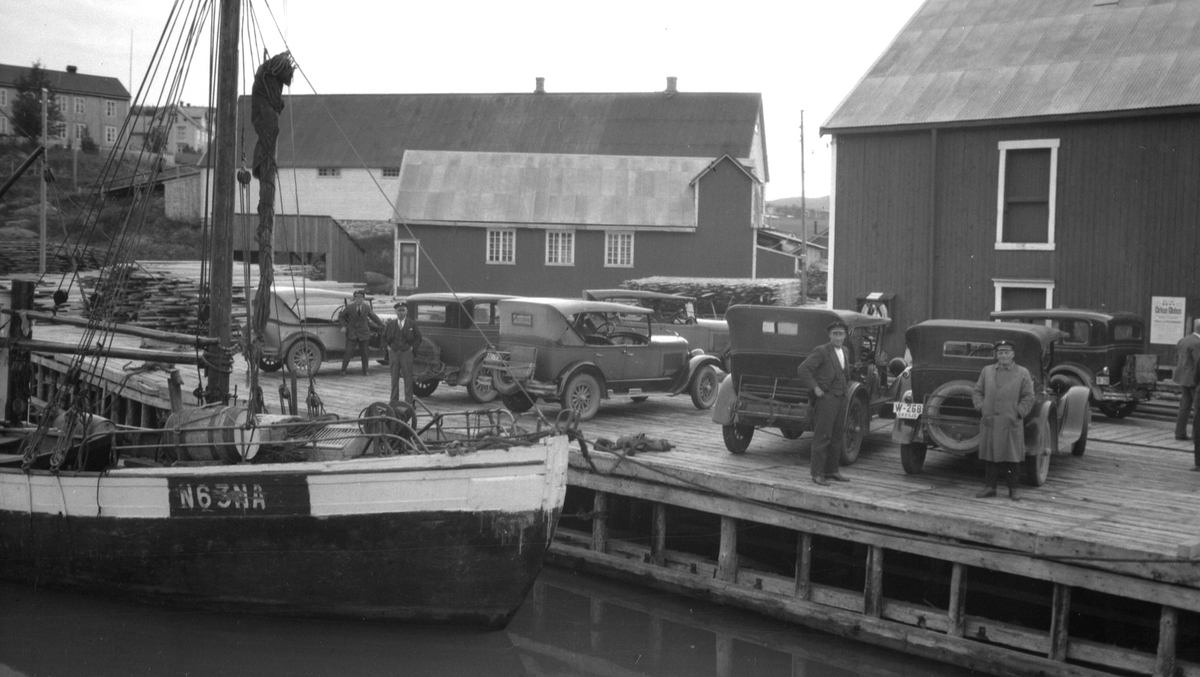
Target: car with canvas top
(673,314)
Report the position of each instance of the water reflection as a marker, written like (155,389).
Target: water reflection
(570,625)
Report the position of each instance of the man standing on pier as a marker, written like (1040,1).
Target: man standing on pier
(1187,353)
(826,374)
(1004,396)
(356,320)
(401,337)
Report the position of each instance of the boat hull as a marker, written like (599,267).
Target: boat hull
(435,538)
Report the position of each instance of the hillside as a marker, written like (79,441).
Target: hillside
(794,202)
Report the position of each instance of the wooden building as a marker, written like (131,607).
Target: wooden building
(306,240)
(525,193)
(90,104)
(1022,153)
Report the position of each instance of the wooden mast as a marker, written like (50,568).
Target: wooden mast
(224,187)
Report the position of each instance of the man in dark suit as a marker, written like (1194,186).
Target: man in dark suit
(401,336)
(1187,352)
(357,319)
(826,374)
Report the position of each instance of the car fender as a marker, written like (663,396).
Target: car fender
(588,367)
(723,409)
(296,338)
(1073,412)
(683,378)
(467,368)
(1044,411)
(1082,373)
(904,430)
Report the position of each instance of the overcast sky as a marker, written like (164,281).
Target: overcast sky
(802,55)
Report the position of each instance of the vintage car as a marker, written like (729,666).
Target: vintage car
(578,352)
(935,406)
(762,390)
(456,328)
(672,314)
(303,330)
(1107,352)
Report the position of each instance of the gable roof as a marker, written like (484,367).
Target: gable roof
(535,189)
(960,61)
(62,82)
(380,127)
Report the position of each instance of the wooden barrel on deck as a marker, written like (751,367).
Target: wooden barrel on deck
(216,432)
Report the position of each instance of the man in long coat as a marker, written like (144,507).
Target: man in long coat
(357,319)
(1004,397)
(826,374)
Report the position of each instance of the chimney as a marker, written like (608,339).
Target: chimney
(71,69)
(671,85)
(540,88)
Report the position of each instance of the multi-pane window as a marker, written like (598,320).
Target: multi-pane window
(1023,294)
(3,125)
(80,130)
(618,250)
(110,134)
(180,133)
(110,109)
(560,247)
(79,107)
(1026,195)
(3,98)
(391,172)
(329,172)
(501,246)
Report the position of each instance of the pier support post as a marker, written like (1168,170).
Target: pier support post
(1060,613)
(724,650)
(1164,662)
(658,536)
(600,522)
(727,563)
(804,567)
(958,601)
(873,590)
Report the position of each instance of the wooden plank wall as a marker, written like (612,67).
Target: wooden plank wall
(345,260)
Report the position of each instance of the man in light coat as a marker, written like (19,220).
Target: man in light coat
(1187,352)
(826,374)
(1004,397)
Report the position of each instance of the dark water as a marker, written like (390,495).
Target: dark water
(570,626)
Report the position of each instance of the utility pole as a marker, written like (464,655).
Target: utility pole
(803,221)
(45,169)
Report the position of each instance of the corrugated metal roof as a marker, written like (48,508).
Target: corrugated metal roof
(62,82)
(547,189)
(315,128)
(968,60)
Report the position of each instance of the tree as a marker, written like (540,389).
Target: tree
(87,144)
(27,108)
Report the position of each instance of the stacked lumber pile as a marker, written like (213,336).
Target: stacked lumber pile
(725,292)
(24,256)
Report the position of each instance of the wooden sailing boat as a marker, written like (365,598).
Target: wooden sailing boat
(225,509)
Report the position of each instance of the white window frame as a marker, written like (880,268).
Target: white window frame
(396,258)
(110,134)
(329,172)
(3,98)
(612,248)
(80,106)
(1028,144)
(1000,284)
(500,247)
(3,125)
(110,109)
(562,251)
(80,128)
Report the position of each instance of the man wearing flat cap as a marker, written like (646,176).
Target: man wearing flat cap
(401,336)
(826,375)
(357,319)
(1003,396)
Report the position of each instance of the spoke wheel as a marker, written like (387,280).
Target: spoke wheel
(480,386)
(269,364)
(912,457)
(737,437)
(582,396)
(704,387)
(425,388)
(858,424)
(305,358)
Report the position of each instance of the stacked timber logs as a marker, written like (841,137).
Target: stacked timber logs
(724,292)
(23,256)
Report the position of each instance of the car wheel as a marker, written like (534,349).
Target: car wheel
(912,457)
(1037,464)
(737,437)
(704,387)
(425,388)
(1117,409)
(517,402)
(304,358)
(1080,445)
(269,364)
(858,424)
(791,433)
(582,396)
(480,386)
(503,382)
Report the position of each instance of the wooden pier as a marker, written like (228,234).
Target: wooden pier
(1095,573)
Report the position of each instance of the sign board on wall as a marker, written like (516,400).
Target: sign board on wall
(1167,319)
